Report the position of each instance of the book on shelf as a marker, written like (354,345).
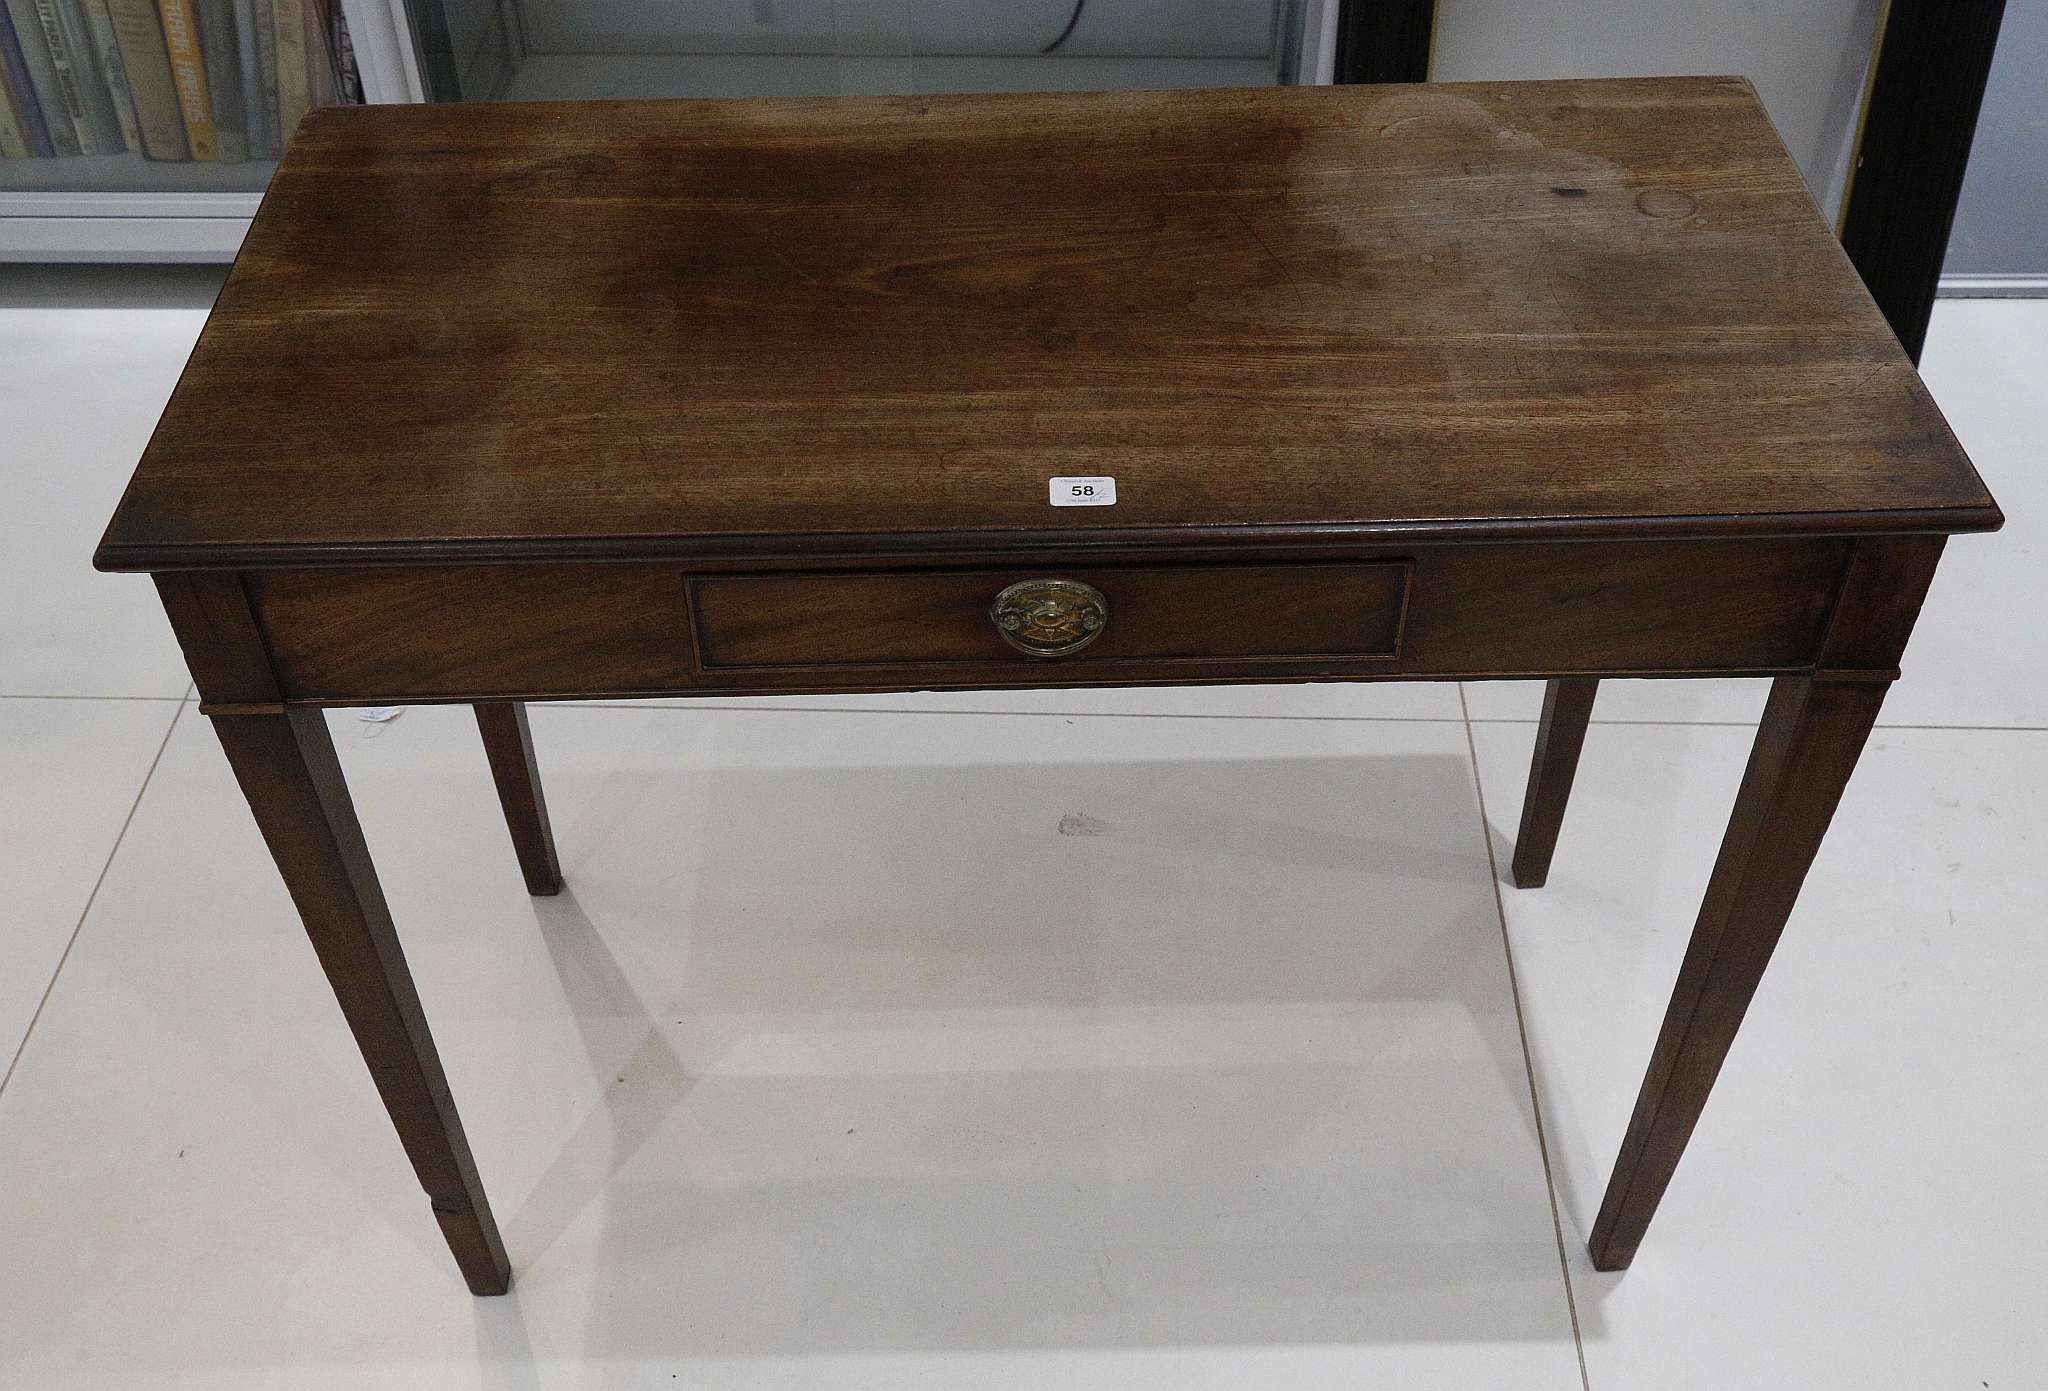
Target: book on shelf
(223,79)
(348,82)
(17,91)
(289,17)
(264,112)
(188,76)
(171,80)
(321,84)
(41,89)
(139,34)
(251,69)
(105,47)
(71,83)
(13,137)
(93,89)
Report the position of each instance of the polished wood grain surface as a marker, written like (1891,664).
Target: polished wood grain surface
(791,328)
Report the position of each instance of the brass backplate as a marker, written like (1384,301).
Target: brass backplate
(1050,618)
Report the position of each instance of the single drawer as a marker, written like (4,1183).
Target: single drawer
(1150,615)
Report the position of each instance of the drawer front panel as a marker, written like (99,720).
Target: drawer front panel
(1198,614)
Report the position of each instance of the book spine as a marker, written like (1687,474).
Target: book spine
(224,78)
(319,65)
(13,139)
(14,60)
(101,22)
(42,70)
(139,34)
(266,75)
(249,65)
(348,83)
(93,89)
(188,75)
(48,92)
(70,93)
(289,20)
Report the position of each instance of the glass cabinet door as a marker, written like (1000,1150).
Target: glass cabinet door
(543,50)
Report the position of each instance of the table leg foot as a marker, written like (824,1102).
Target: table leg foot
(1567,706)
(508,744)
(473,1239)
(286,766)
(1812,732)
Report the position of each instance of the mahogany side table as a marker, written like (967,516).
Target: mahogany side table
(1565,380)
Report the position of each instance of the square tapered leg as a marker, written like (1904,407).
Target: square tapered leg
(287,769)
(1567,706)
(508,744)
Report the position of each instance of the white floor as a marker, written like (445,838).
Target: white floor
(1124,1039)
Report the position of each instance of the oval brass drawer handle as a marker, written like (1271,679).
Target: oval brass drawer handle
(1050,618)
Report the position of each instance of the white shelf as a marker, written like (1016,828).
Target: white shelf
(131,174)
(143,235)
(126,208)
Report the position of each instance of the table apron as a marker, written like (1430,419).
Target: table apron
(393,634)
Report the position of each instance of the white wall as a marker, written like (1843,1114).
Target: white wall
(1808,58)
(2002,221)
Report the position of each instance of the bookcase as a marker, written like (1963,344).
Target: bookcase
(151,126)
(145,130)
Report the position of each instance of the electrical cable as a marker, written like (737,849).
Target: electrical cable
(1066,33)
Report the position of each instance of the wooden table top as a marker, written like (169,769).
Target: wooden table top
(775,328)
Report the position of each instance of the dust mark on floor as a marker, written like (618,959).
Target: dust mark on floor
(1080,823)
